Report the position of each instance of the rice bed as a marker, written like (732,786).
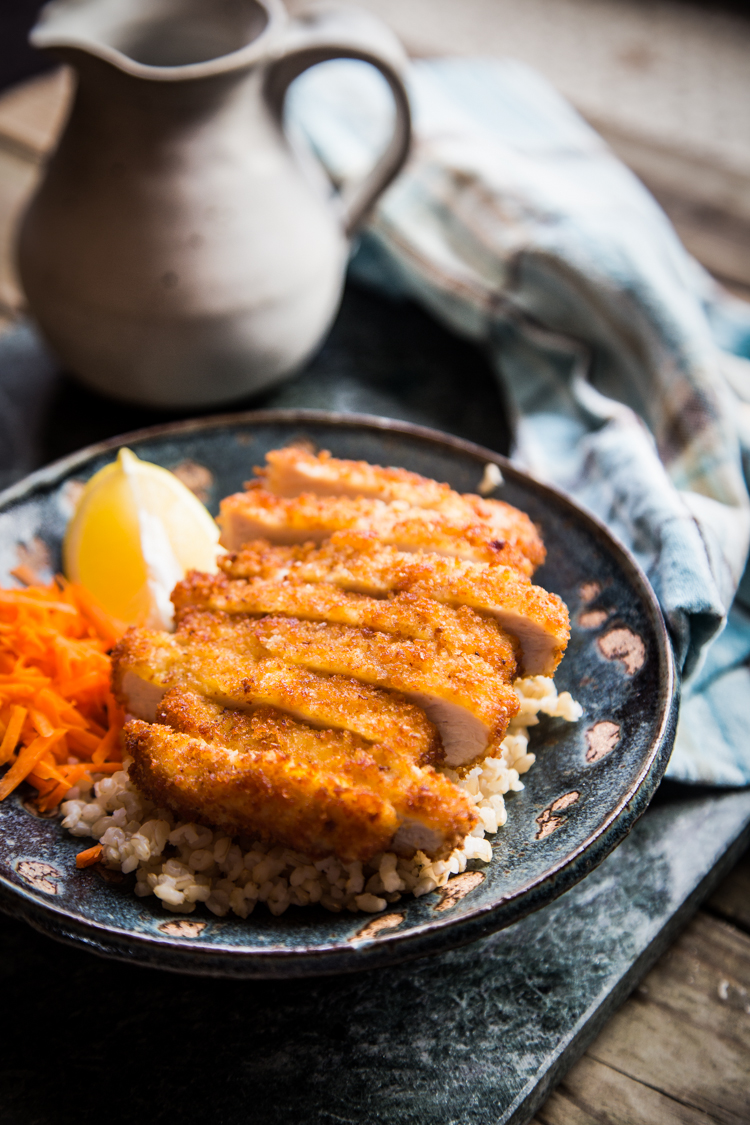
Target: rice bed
(183,863)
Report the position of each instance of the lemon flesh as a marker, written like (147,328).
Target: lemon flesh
(135,532)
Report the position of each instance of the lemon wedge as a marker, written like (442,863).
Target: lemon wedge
(135,532)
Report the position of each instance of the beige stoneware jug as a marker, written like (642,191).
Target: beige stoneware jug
(178,253)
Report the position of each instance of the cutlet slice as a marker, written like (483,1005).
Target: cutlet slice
(360,563)
(294,470)
(257,514)
(409,615)
(147,663)
(317,791)
(469,703)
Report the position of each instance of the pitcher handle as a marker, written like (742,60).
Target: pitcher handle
(326,32)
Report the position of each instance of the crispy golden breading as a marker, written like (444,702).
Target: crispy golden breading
(468,701)
(265,775)
(369,628)
(470,530)
(361,563)
(294,471)
(408,615)
(200,657)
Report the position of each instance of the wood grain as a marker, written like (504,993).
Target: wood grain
(593,1094)
(731,900)
(678,1051)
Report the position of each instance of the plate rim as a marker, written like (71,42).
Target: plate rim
(347,955)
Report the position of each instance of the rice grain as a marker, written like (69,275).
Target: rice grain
(184,864)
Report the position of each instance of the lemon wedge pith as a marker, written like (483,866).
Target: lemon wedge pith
(135,532)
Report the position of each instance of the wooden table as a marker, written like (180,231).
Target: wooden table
(678,1051)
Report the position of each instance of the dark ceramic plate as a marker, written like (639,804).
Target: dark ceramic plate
(592,779)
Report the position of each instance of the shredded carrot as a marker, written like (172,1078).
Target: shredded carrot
(40,721)
(89,857)
(51,798)
(13,732)
(58,720)
(108,747)
(46,771)
(108,627)
(26,760)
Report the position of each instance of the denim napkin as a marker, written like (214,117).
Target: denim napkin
(623,362)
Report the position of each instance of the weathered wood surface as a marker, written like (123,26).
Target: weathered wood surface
(678,1051)
(731,901)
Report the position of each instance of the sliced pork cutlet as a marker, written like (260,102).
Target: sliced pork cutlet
(258,514)
(294,470)
(147,663)
(468,701)
(267,775)
(360,563)
(414,616)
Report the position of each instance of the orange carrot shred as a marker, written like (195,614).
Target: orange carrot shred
(13,733)
(89,857)
(45,771)
(105,624)
(26,760)
(55,697)
(107,745)
(53,797)
(83,741)
(41,722)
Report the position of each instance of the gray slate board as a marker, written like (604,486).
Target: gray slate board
(477,1036)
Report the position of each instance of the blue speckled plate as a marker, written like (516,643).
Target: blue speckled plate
(591,781)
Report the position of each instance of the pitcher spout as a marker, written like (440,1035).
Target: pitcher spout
(163,40)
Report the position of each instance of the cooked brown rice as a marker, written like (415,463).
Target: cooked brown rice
(184,863)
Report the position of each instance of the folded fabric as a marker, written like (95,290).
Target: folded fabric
(516,225)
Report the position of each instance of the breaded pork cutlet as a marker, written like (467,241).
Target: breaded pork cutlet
(266,775)
(466,534)
(408,615)
(469,702)
(362,564)
(294,471)
(146,664)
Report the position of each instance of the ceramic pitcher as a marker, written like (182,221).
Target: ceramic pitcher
(177,252)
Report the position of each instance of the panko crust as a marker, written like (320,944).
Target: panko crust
(296,470)
(360,563)
(265,775)
(463,532)
(364,610)
(456,630)
(469,703)
(229,665)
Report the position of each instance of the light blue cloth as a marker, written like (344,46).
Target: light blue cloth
(515,225)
